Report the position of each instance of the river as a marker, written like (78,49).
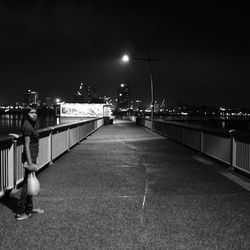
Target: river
(12,123)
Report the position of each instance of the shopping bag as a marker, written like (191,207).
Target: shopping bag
(33,185)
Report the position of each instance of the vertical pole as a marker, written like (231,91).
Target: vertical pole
(232,150)
(51,147)
(151,85)
(152,93)
(15,161)
(201,141)
(68,138)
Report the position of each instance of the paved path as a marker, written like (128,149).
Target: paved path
(125,187)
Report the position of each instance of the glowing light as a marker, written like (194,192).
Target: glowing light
(125,58)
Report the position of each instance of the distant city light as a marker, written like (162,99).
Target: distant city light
(125,58)
(57,100)
(122,85)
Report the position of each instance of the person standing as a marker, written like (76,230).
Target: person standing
(29,159)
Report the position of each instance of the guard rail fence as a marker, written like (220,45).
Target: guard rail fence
(231,147)
(53,142)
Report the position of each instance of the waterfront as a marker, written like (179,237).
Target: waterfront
(12,123)
(227,124)
(242,124)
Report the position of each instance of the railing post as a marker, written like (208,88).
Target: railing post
(15,157)
(51,147)
(79,137)
(1,175)
(201,141)
(68,138)
(232,150)
(15,162)
(182,137)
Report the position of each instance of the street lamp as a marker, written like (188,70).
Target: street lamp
(125,58)
(148,59)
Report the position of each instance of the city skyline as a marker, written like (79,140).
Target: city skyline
(52,47)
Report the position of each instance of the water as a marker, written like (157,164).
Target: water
(12,123)
(242,124)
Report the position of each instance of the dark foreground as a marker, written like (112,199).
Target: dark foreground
(126,187)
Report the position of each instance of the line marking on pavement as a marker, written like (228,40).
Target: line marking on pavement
(145,194)
(124,196)
(132,165)
(130,146)
(127,166)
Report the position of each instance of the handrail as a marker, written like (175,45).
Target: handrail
(5,138)
(231,147)
(182,123)
(53,142)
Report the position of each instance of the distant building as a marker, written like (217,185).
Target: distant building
(94,93)
(85,94)
(106,99)
(137,105)
(156,106)
(30,98)
(123,97)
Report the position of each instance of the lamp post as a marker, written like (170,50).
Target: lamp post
(148,59)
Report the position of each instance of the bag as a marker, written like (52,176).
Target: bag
(33,185)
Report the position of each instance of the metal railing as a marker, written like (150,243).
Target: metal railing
(53,141)
(231,147)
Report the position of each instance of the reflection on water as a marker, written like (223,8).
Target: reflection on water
(242,125)
(12,123)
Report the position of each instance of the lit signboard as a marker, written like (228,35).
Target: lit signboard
(82,110)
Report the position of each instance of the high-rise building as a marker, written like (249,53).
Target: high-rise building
(123,96)
(85,94)
(30,97)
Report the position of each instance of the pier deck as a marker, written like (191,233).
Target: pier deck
(126,187)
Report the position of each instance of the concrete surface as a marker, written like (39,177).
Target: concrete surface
(125,187)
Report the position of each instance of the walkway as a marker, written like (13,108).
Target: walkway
(125,187)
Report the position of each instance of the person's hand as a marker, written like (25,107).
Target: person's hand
(32,167)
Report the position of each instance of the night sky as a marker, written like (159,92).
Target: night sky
(53,46)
